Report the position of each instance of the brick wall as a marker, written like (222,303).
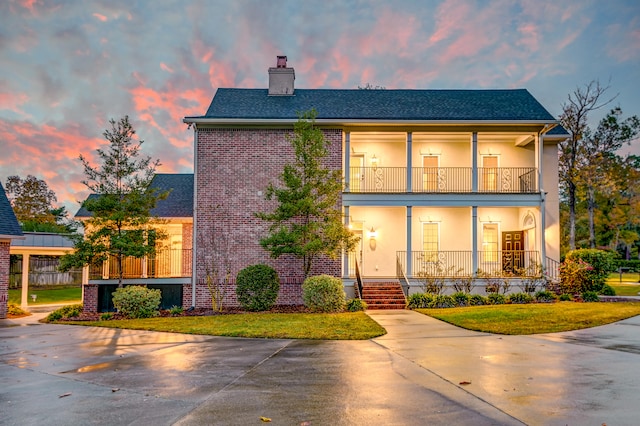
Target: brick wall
(90,298)
(234,168)
(4,277)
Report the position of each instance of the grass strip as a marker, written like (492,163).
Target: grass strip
(535,318)
(64,295)
(338,326)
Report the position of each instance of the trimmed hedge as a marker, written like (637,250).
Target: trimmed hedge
(324,293)
(257,287)
(136,301)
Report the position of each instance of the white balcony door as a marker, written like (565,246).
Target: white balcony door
(490,173)
(430,164)
(357,173)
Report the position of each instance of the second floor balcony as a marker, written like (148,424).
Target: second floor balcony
(520,180)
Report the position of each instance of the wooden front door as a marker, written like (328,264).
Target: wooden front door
(512,251)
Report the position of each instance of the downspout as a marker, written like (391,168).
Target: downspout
(195,217)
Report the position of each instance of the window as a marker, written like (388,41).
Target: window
(490,242)
(430,173)
(430,241)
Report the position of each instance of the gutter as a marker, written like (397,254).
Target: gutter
(368,122)
(195,218)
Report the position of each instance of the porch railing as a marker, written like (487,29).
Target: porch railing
(451,264)
(442,180)
(165,263)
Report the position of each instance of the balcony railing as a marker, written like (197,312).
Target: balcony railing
(442,180)
(165,263)
(451,264)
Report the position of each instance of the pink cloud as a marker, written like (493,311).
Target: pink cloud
(100,17)
(166,67)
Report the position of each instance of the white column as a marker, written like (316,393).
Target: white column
(409,162)
(409,271)
(474,239)
(347,161)
(474,162)
(24,300)
(345,258)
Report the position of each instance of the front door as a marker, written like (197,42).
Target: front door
(512,251)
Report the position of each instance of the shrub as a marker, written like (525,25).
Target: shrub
(356,305)
(257,287)
(69,311)
(496,299)
(176,310)
(463,283)
(442,301)
(585,270)
(13,309)
(565,298)
(607,290)
(545,296)
(520,298)
(477,300)
(106,316)
(590,296)
(134,301)
(419,300)
(460,298)
(323,293)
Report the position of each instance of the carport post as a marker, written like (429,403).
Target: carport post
(25,281)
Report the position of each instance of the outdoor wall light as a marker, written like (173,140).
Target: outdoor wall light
(373,234)
(374,163)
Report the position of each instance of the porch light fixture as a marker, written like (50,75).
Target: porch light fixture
(374,164)
(373,234)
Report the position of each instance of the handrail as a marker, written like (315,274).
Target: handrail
(442,180)
(402,276)
(358,280)
(552,270)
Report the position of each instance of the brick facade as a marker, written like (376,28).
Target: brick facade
(4,277)
(90,298)
(234,168)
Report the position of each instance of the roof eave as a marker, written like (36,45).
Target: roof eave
(366,122)
(11,237)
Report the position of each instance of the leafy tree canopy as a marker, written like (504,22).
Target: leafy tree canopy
(32,201)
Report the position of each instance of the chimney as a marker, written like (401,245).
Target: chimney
(281,78)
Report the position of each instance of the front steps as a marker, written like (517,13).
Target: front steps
(383,295)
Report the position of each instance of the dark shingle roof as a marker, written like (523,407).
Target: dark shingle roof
(8,223)
(410,105)
(179,203)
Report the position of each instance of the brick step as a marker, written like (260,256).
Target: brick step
(383,295)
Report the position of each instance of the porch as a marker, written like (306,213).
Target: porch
(165,263)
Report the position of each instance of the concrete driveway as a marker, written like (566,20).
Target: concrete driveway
(67,375)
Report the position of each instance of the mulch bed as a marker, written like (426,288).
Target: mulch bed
(279,309)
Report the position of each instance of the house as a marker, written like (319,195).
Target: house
(9,230)
(446,183)
(170,268)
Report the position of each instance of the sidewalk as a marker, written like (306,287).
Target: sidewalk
(580,377)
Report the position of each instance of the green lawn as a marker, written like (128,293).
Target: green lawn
(65,295)
(535,318)
(341,326)
(628,286)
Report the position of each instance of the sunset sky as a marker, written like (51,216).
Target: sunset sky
(67,67)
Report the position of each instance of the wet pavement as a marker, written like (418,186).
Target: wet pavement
(422,372)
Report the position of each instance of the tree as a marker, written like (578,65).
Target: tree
(32,201)
(307,222)
(599,161)
(574,119)
(120,220)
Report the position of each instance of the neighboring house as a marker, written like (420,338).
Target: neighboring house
(9,230)
(170,268)
(453,183)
